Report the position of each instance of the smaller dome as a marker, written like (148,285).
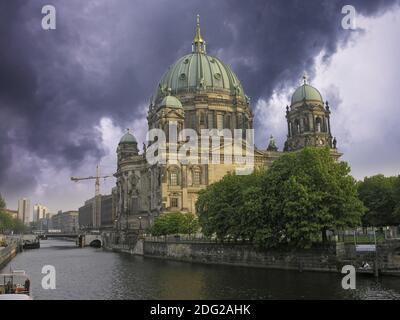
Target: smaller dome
(128,138)
(171,102)
(306,92)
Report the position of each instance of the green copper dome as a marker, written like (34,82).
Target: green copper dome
(170,101)
(199,71)
(128,138)
(306,92)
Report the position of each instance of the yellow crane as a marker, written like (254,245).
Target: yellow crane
(97,178)
(96,203)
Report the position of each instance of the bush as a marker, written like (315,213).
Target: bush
(175,223)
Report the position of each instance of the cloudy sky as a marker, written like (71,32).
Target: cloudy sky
(67,95)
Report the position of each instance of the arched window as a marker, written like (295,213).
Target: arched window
(318,124)
(297,125)
(305,124)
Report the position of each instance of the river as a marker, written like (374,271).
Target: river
(91,273)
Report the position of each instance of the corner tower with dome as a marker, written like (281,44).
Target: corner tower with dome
(308,121)
(197,92)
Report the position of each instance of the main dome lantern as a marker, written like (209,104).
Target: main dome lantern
(198,71)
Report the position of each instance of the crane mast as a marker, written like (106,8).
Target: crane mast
(97,201)
(96,178)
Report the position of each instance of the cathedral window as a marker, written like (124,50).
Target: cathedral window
(193,121)
(174,202)
(174,178)
(297,125)
(305,124)
(202,118)
(135,205)
(318,124)
(210,120)
(196,176)
(220,121)
(228,121)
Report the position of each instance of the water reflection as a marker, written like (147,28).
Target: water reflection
(96,274)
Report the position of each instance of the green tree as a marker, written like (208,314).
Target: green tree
(295,202)
(213,207)
(381,197)
(223,209)
(397,198)
(2,203)
(190,224)
(174,223)
(306,194)
(6,221)
(18,226)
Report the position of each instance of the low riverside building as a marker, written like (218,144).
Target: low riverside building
(101,206)
(67,222)
(12,213)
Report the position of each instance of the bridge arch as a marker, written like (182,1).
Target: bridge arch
(96,243)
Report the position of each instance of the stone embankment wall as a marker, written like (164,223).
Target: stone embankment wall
(318,258)
(7,253)
(329,258)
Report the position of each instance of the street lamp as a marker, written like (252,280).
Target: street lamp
(140,223)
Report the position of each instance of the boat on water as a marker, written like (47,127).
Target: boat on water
(15,286)
(30,242)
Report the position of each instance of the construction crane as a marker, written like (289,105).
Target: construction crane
(96,216)
(97,182)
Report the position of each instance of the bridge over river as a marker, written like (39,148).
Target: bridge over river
(82,239)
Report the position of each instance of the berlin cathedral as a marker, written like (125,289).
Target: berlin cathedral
(199,91)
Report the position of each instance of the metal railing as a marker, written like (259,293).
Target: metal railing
(192,238)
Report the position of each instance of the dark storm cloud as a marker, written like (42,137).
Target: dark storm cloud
(105,58)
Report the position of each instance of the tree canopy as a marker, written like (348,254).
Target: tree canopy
(381,197)
(2,203)
(225,208)
(7,222)
(300,197)
(175,223)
